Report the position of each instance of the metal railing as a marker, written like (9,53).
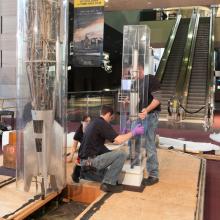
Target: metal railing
(211,69)
(183,92)
(163,62)
(175,101)
(6,104)
(90,103)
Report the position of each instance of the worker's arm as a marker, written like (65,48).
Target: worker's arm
(155,91)
(149,108)
(73,150)
(122,138)
(138,130)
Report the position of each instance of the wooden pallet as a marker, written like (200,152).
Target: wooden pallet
(178,195)
(31,208)
(12,200)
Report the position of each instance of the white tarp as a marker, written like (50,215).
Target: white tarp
(215,137)
(69,140)
(190,146)
(5,138)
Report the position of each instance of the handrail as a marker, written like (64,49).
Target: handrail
(92,93)
(169,44)
(185,88)
(210,77)
(192,31)
(5,100)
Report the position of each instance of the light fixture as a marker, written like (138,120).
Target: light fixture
(143,38)
(105,63)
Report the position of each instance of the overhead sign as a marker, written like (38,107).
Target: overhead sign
(88,32)
(88,3)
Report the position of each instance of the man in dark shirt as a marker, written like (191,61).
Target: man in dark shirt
(93,152)
(78,137)
(150,97)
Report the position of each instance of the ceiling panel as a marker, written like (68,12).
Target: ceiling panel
(115,5)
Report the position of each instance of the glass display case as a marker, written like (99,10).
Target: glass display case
(136,67)
(90,103)
(42,31)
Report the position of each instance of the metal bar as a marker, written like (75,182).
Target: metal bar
(1,59)
(162,65)
(193,26)
(201,191)
(1,28)
(185,88)
(210,77)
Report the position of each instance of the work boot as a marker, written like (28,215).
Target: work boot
(76,174)
(150,181)
(75,178)
(111,188)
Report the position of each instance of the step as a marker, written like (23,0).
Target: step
(85,191)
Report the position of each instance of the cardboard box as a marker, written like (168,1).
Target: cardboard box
(12,138)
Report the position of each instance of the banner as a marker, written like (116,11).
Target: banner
(88,32)
(88,3)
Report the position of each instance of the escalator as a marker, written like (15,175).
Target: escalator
(173,65)
(197,90)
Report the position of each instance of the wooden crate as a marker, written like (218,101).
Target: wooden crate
(9,156)
(12,138)
(9,152)
(85,191)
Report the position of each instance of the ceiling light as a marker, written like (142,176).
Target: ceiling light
(143,38)
(106,1)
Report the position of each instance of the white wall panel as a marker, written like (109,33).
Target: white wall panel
(7,75)
(8,7)
(8,58)
(9,24)
(7,91)
(8,42)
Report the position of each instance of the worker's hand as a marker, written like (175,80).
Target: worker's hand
(69,158)
(126,100)
(124,131)
(143,114)
(138,130)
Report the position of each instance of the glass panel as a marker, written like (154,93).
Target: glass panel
(89,103)
(41,95)
(136,67)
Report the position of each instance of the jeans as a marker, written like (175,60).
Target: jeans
(150,124)
(113,161)
(92,174)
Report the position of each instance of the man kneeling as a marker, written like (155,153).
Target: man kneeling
(95,156)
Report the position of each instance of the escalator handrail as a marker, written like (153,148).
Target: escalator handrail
(192,30)
(210,77)
(162,65)
(185,88)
